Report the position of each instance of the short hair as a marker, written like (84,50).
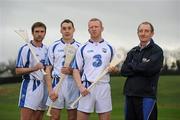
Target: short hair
(38,24)
(96,19)
(146,23)
(67,21)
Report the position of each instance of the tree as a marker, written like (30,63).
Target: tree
(178,65)
(11,67)
(173,66)
(8,67)
(3,67)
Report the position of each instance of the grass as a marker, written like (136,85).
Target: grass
(168,100)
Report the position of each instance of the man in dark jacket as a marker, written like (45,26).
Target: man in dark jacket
(142,67)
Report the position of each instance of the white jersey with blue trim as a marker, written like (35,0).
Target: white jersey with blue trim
(92,58)
(56,55)
(25,59)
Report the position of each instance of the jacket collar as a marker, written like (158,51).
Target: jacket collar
(150,44)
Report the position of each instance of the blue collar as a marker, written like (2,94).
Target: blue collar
(91,41)
(34,45)
(65,43)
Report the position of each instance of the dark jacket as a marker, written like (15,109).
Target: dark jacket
(142,68)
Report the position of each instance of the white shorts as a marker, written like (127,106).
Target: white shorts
(99,98)
(42,105)
(33,95)
(68,93)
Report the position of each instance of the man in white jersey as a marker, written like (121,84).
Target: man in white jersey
(69,91)
(91,59)
(33,93)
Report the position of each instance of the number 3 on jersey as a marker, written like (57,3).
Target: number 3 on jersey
(97,60)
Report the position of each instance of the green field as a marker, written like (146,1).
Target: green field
(168,100)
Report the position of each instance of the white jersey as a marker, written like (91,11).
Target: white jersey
(56,56)
(92,58)
(25,59)
(69,91)
(33,92)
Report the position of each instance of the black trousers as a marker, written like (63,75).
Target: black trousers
(139,108)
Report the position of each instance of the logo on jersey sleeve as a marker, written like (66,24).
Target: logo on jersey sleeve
(89,51)
(104,50)
(97,60)
(61,50)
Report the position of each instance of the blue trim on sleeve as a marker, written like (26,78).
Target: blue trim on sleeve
(26,76)
(111,49)
(82,54)
(54,47)
(74,64)
(28,58)
(82,51)
(47,62)
(19,62)
(53,52)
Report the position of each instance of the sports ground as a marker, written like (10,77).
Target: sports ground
(168,100)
